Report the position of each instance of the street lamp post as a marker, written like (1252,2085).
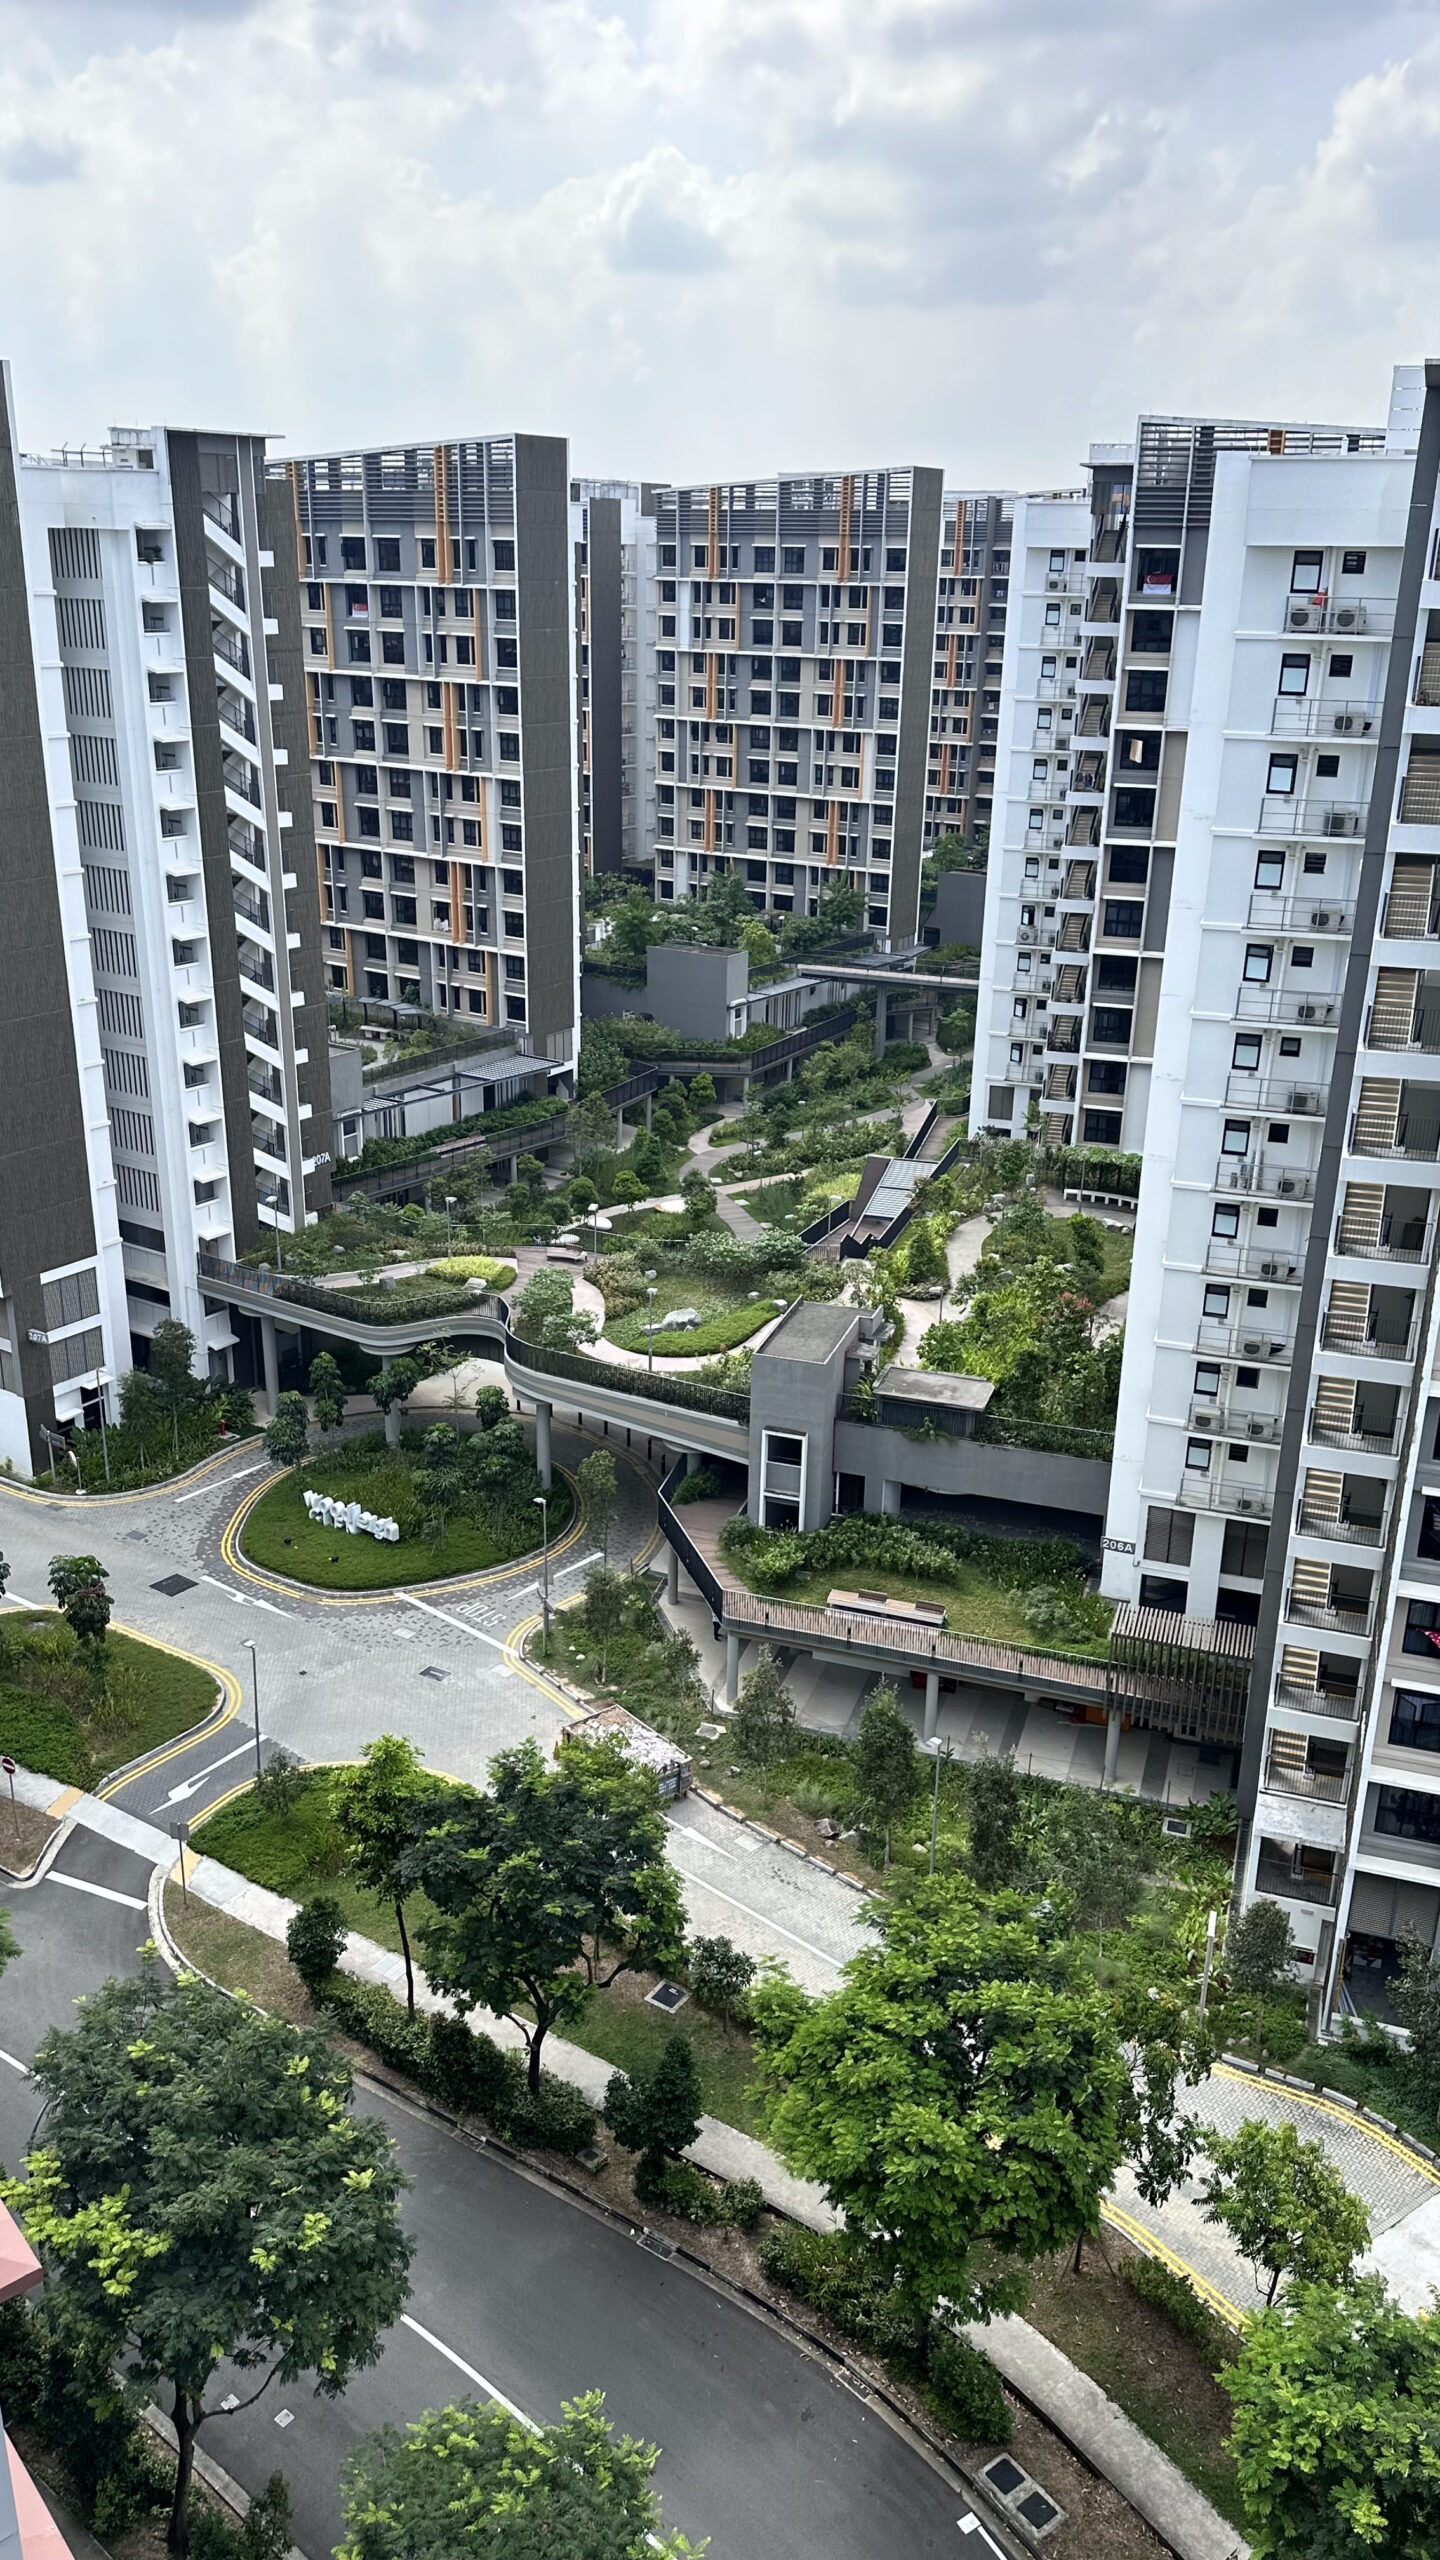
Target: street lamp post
(271,1200)
(545,1564)
(449,1205)
(593,1214)
(650,1331)
(255,1695)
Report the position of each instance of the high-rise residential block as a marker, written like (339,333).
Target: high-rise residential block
(612,533)
(435,593)
(795,631)
(163,1028)
(972,601)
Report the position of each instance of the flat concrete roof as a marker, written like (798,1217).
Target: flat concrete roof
(812,1330)
(936,1386)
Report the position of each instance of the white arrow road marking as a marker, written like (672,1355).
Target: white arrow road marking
(465,1629)
(468,2370)
(103,1892)
(188,1786)
(218,1483)
(578,1566)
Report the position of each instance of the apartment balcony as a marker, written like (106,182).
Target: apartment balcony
(1422,1039)
(1223,1493)
(1090,776)
(1326,1435)
(223,510)
(1322,1786)
(1420,798)
(241,778)
(1304,917)
(1265,1177)
(260,1024)
(232,647)
(264,1083)
(225,580)
(1341,1705)
(1278,1878)
(1284,1268)
(1319,1012)
(1415,1141)
(268,1139)
(1336,1527)
(1355,615)
(252,904)
(1394,1240)
(256,966)
(1291,1101)
(1229,1422)
(1411,911)
(1337,1336)
(1306,716)
(1285,813)
(1244,1341)
(1055,688)
(1318,1613)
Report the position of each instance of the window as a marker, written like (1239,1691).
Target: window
(1246,1055)
(387,556)
(1428,1542)
(1342,663)
(392,648)
(1109,1027)
(1281,776)
(1259,960)
(1307,576)
(1129,862)
(1123,919)
(364,736)
(352,552)
(1226,1221)
(1269,870)
(1404,1813)
(1101,1128)
(1216,1305)
(793,560)
(1145,691)
(1207,1378)
(1303,956)
(1236,1138)
(1103,1075)
(1415,1720)
(1197,1457)
(1294,671)
(505,557)
(1422,1629)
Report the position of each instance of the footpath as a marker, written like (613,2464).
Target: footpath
(1074,2406)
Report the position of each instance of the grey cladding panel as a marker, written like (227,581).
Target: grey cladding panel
(603,568)
(922,570)
(547,742)
(288,721)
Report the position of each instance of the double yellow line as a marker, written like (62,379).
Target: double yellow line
(230,1549)
(21,1492)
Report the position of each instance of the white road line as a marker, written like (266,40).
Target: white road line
(17,1603)
(452,1621)
(765,1921)
(239,1597)
(578,1566)
(217,1484)
(468,2370)
(692,1834)
(972,2524)
(103,1892)
(188,1786)
(22,2067)
(274,1612)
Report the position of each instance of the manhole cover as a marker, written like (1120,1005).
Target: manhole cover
(1004,2475)
(173,1585)
(1038,2510)
(667,1995)
(137,1537)
(432,1671)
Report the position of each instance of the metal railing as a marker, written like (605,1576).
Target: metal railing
(1255,1262)
(1367,1346)
(1353,614)
(687,1394)
(222,510)
(1419,800)
(1329,1524)
(1319,1613)
(1274,914)
(1276,1877)
(1363,1248)
(1284,1004)
(1306,716)
(240,778)
(764,1619)
(1285,813)
(1221,1493)
(1376,1444)
(1421,1147)
(237,716)
(1227,1422)
(226,580)
(701,1571)
(1411,918)
(1342,1704)
(1297,1101)
(1423,1035)
(258,968)
(1322,1785)
(1258,1173)
(231,646)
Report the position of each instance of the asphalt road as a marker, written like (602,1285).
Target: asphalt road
(518,2290)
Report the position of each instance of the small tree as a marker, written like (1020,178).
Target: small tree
(204,2194)
(604,1609)
(491,1406)
(172,1365)
(720,1976)
(656,2113)
(464,2483)
(379,1810)
(1336,2437)
(327,1389)
(392,1388)
(78,1586)
(552,1884)
(315,1940)
(1415,1999)
(287,1433)
(996,1804)
(1286,2209)
(887,1772)
(4,1577)
(702,1095)
(1097,1859)
(1258,1948)
(763,1724)
(598,1487)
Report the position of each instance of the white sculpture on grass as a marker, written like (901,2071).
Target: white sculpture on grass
(350,1517)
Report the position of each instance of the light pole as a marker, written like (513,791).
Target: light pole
(545,1565)
(593,1214)
(449,1205)
(255,1695)
(271,1200)
(650,1331)
(935,1805)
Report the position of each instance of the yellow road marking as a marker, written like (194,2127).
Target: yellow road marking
(1145,2239)
(1342,2115)
(225,1681)
(23,1492)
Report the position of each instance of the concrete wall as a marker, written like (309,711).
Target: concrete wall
(969,1468)
(800,1396)
(959,909)
(692,987)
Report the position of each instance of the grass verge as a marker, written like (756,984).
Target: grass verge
(280,1534)
(56,1717)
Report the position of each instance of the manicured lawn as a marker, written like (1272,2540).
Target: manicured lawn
(1162,2379)
(973,1604)
(301,1853)
(238,1958)
(55,1719)
(726,1321)
(621,2029)
(280,1533)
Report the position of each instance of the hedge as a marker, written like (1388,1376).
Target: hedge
(463,2070)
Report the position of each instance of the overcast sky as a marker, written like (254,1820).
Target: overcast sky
(716,237)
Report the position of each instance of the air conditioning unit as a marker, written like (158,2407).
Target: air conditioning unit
(1342,822)
(1245,1502)
(1307,1013)
(1305,1098)
(1304,615)
(1207,1422)
(1343,722)
(1269,1270)
(1322,918)
(1254,1348)
(1286,1187)
(1347,617)
(1257,1430)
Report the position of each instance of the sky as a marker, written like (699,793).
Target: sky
(715,238)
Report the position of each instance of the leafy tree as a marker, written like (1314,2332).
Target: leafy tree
(327,1389)
(77,1584)
(963,2088)
(602,1059)
(698,1193)
(4,1577)
(1415,1999)
(394,1386)
(1096,1858)
(590,1129)
(997,1854)
(545,1313)
(1336,2437)
(172,1365)
(763,1724)
(720,1976)
(287,1434)
(648,1162)
(1286,2209)
(465,2481)
(315,1940)
(726,909)
(702,1095)
(657,2113)
(491,1406)
(598,1488)
(549,1885)
(204,2193)
(142,1403)
(1259,1947)
(634,926)
(1170,2049)
(604,1608)
(379,1808)
(887,1771)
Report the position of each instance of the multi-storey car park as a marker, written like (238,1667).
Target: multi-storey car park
(612,537)
(435,599)
(163,1021)
(793,674)
(971,602)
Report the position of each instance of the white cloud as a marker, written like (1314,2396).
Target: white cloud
(712,235)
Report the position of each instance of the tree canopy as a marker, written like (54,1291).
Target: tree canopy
(378,1808)
(1286,2209)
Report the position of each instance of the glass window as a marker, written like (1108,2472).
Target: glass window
(1236,1140)
(1403,1813)
(1415,1720)
(1308,574)
(1422,1629)
(1259,960)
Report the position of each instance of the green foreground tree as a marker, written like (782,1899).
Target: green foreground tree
(327,1391)
(379,1809)
(548,1886)
(287,1433)
(598,1487)
(205,2195)
(78,1588)
(763,1725)
(962,2089)
(887,1769)
(1286,2209)
(1336,2437)
(467,2480)
(656,2113)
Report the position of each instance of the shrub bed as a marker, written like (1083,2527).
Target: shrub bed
(73,1718)
(479,1514)
(1042,1577)
(463,2070)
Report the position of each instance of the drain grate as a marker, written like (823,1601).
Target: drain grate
(432,1671)
(668,1996)
(173,1585)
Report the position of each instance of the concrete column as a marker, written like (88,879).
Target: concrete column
(542,1445)
(693,1462)
(1113,1723)
(882,1008)
(890,1493)
(732,1669)
(270,1352)
(620,1128)
(392,1413)
(932,1704)
(649,1109)
(672,1584)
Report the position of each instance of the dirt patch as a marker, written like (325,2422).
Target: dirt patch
(25,1834)
(239,1958)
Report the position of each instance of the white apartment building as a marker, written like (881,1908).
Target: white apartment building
(152,834)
